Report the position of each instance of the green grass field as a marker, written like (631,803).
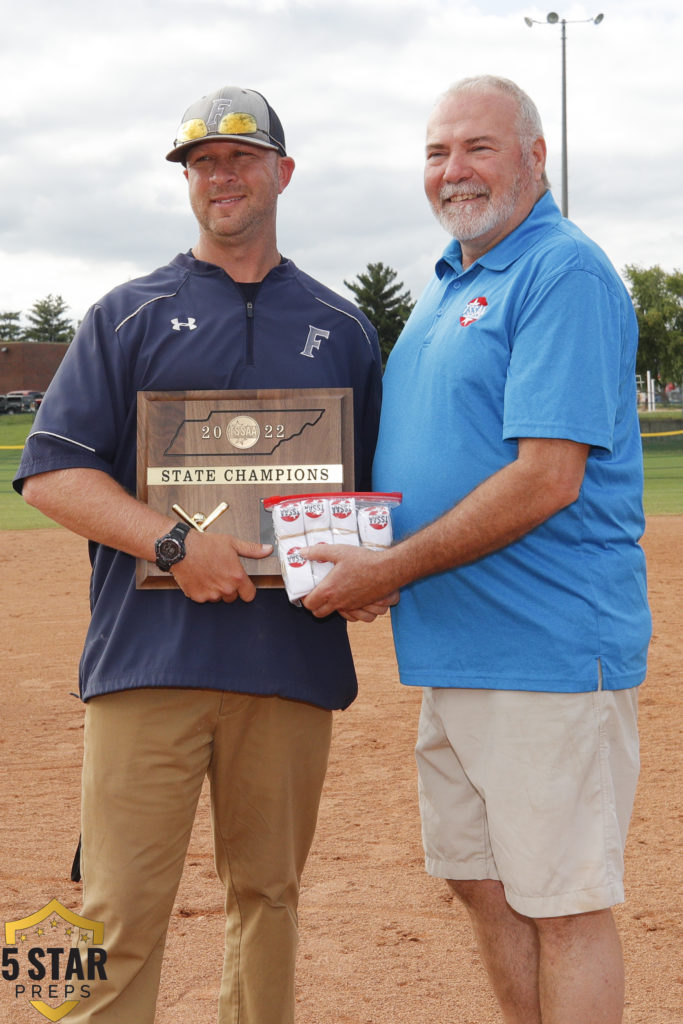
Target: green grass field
(663,461)
(663,457)
(15,514)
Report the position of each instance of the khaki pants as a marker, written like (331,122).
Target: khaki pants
(146,754)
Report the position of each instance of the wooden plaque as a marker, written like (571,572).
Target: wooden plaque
(197,449)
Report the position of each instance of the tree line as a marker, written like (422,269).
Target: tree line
(46,321)
(657,297)
(658,300)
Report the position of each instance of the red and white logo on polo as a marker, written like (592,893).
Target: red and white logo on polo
(474,310)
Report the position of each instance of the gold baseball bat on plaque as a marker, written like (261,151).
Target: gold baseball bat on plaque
(211,457)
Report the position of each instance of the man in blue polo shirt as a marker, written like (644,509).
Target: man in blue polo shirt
(509,423)
(212,678)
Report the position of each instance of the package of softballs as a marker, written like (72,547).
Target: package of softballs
(362,519)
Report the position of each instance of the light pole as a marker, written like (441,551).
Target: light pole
(552,19)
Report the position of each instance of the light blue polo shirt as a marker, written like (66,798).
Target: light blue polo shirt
(536,339)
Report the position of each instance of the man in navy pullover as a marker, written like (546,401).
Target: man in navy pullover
(212,678)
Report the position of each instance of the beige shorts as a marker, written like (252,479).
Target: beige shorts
(533,789)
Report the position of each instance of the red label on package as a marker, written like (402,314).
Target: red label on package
(295,559)
(290,513)
(313,509)
(341,509)
(378,518)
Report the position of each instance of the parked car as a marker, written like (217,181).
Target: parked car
(29,400)
(11,404)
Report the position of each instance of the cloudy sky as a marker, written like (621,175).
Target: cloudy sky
(92,94)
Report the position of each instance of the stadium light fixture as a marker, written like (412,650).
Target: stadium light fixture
(552,19)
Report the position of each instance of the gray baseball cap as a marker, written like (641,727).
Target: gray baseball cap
(230,114)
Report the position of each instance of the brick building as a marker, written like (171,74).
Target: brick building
(28,366)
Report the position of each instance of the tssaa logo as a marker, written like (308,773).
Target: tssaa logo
(52,959)
(473,311)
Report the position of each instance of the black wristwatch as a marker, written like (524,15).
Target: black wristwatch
(170,549)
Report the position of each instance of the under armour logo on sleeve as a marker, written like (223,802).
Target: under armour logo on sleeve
(190,323)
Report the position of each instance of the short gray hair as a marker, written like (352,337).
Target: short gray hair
(529,126)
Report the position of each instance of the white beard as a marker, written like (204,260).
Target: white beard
(465,222)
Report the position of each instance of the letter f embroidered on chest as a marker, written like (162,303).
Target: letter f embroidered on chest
(315,336)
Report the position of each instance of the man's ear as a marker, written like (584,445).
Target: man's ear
(538,153)
(285,170)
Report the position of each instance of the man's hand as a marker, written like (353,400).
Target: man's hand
(371,611)
(357,587)
(94,505)
(212,570)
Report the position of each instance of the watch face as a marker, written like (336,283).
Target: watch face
(168,549)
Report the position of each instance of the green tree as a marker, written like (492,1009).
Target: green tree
(658,300)
(10,328)
(47,321)
(379,295)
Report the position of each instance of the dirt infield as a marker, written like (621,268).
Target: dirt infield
(381,943)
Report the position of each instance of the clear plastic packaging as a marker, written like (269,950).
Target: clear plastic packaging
(361,518)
